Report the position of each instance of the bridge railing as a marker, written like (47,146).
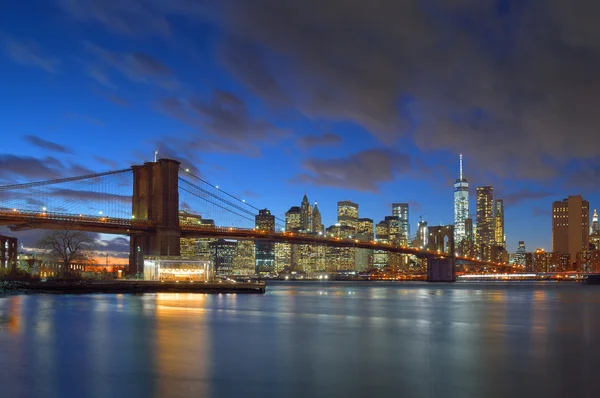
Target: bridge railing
(82,218)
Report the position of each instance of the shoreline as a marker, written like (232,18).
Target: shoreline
(129,287)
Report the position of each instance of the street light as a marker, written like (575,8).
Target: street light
(43,208)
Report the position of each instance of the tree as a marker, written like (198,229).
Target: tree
(69,247)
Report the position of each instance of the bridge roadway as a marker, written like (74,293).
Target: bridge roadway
(18,220)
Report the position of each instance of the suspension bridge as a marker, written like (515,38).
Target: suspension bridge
(144,203)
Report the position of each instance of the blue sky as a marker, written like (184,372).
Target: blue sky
(271,99)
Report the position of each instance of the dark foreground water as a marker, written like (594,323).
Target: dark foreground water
(307,340)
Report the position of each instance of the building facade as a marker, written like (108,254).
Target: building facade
(264,251)
(499,237)
(485,231)
(347,214)
(8,252)
(570,226)
(461,205)
(400,210)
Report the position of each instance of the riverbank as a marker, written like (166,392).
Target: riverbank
(129,287)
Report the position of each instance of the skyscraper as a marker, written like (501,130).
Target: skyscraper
(264,251)
(595,228)
(305,215)
(400,210)
(347,213)
(365,226)
(293,219)
(499,222)
(485,221)
(461,204)
(520,254)
(317,224)
(570,226)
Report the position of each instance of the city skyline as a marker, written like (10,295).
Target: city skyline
(105,95)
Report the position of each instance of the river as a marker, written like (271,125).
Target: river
(330,339)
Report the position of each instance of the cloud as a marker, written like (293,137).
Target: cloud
(524,195)
(16,168)
(223,123)
(138,67)
(509,85)
(363,171)
(312,141)
(28,53)
(44,144)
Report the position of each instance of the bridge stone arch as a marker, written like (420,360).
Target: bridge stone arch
(441,268)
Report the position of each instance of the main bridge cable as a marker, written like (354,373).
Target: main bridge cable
(226,193)
(60,180)
(216,204)
(217,197)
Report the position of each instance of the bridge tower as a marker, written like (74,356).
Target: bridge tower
(441,268)
(156,199)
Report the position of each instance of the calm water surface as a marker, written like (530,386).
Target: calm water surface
(307,340)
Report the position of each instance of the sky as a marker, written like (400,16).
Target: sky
(338,99)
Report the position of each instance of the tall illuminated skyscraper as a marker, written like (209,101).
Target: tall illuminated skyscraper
(499,222)
(347,213)
(317,225)
(306,215)
(461,205)
(485,233)
(570,226)
(400,210)
(595,228)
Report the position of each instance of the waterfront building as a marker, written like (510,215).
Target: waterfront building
(520,253)
(8,252)
(461,204)
(244,261)
(570,226)
(223,252)
(197,248)
(588,261)
(264,251)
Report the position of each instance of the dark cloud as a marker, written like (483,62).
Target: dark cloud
(16,168)
(82,195)
(117,246)
(363,171)
(44,144)
(146,65)
(312,141)
(523,195)
(223,123)
(511,83)
(28,53)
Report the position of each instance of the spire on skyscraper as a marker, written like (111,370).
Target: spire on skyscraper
(461,167)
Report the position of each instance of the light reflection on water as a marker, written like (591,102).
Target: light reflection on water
(306,339)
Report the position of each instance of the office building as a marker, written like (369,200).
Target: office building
(347,213)
(293,219)
(244,261)
(400,210)
(8,252)
(317,223)
(461,204)
(485,231)
(264,251)
(570,226)
(305,215)
(499,223)
(520,253)
(223,252)
(365,227)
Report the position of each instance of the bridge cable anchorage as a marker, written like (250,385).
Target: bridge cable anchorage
(227,193)
(216,204)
